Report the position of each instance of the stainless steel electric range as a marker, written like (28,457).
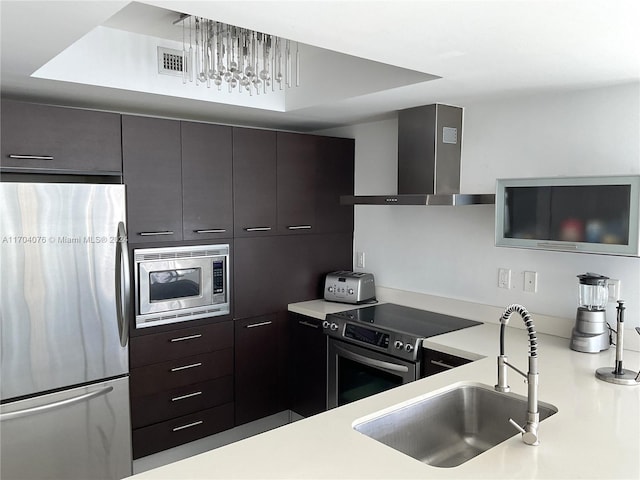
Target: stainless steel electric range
(378,347)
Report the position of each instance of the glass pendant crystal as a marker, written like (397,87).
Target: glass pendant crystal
(243,59)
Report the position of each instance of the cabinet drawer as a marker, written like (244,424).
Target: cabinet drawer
(161,436)
(159,347)
(177,402)
(436,362)
(48,139)
(180,372)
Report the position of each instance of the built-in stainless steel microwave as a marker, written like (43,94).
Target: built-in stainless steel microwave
(176,284)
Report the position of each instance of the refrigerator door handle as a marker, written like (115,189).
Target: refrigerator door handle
(123,284)
(51,406)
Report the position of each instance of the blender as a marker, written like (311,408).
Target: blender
(591,331)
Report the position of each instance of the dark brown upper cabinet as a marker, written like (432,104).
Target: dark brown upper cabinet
(335,177)
(153,175)
(254,182)
(298,158)
(207,195)
(47,139)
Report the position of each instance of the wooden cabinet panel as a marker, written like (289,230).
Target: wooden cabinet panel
(260,374)
(79,141)
(180,372)
(207,198)
(177,431)
(296,164)
(160,347)
(254,182)
(152,172)
(157,407)
(300,261)
(307,365)
(335,177)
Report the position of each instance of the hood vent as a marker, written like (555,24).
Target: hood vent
(429,148)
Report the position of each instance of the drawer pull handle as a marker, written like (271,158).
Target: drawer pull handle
(151,234)
(299,227)
(190,337)
(261,324)
(257,229)
(211,230)
(188,395)
(442,364)
(308,324)
(31,157)
(193,365)
(188,425)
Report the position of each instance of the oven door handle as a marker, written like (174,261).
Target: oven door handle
(372,362)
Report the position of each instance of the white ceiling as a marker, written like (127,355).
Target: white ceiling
(479,48)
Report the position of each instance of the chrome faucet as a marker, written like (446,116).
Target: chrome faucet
(530,429)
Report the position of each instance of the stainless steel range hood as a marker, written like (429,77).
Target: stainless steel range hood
(429,147)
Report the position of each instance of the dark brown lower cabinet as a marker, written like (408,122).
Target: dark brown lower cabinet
(260,361)
(181,386)
(307,365)
(177,431)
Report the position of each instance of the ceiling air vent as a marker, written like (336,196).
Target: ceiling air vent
(170,62)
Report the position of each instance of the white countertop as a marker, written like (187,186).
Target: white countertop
(595,434)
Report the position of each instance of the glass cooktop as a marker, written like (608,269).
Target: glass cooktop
(411,321)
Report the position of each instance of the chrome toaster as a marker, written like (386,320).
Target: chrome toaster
(349,287)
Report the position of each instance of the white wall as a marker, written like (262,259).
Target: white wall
(449,251)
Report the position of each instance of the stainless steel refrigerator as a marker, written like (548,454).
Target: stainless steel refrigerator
(64,332)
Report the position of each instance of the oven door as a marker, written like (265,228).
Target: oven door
(355,372)
(171,285)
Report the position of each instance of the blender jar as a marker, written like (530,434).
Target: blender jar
(593,291)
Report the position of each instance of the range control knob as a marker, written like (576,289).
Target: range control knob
(408,347)
(330,289)
(350,291)
(398,344)
(333,327)
(325,324)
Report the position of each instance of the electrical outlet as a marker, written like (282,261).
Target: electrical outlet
(359,259)
(504,278)
(614,290)
(531,282)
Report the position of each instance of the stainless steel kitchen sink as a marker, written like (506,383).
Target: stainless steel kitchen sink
(451,427)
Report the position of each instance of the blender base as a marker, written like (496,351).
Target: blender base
(589,343)
(627,377)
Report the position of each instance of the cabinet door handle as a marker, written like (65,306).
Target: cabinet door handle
(211,230)
(188,425)
(442,364)
(188,395)
(150,234)
(261,324)
(257,229)
(193,365)
(308,324)
(31,157)
(299,227)
(182,339)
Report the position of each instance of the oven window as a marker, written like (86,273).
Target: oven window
(356,381)
(172,284)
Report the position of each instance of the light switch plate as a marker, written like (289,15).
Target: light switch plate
(531,282)
(614,290)
(504,278)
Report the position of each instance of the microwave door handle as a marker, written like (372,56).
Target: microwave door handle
(372,362)
(123,284)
